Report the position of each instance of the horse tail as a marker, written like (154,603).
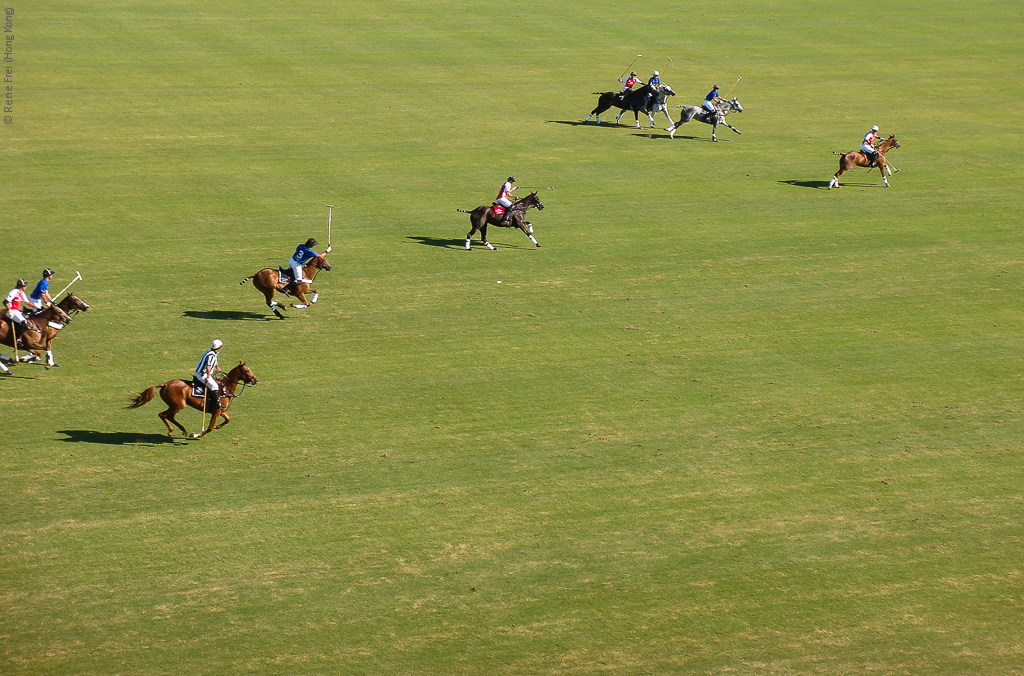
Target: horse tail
(464,211)
(246,279)
(143,398)
(840,154)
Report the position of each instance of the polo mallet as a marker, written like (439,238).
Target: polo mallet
(666,66)
(629,66)
(202,420)
(78,276)
(738,78)
(330,215)
(533,187)
(14,341)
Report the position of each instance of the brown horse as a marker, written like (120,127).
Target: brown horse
(482,215)
(178,393)
(859,158)
(268,281)
(46,324)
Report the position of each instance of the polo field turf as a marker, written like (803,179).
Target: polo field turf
(724,420)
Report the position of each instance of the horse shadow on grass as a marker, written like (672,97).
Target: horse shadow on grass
(444,243)
(227,315)
(817,185)
(580,123)
(115,438)
(823,185)
(663,137)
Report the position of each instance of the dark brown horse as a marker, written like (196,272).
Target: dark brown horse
(484,215)
(268,281)
(44,326)
(645,99)
(178,393)
(859,158)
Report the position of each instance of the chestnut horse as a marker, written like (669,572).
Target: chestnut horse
(268,281)
(858,158)
(482,215)
(47,325)
(178,393)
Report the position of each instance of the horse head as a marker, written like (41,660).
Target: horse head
(321,262)
(668,90)
(735,105)
(534,201)
(72,303)
(245,373)
(60,314)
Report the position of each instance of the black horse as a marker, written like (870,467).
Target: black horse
(702,114)
(636,100)
(484,215)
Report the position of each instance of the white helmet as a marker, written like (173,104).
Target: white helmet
(216,345)
(656,73)
(874,128)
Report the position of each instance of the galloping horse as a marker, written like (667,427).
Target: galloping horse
(636,100)
(268,281)
(656,104)
(858,158)
(702,114)
(482,215)
(178,393)
(48,324)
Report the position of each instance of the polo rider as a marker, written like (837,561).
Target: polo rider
(40,296)
(504,193)
(207,369)
(711,99)
(303,254)
(627,83)
(13,302)
(871,139)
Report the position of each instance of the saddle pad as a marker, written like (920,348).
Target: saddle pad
(284,276)
(197,389)
(498,209)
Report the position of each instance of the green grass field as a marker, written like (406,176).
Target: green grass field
(724,421)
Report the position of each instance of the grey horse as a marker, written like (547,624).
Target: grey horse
(702,114)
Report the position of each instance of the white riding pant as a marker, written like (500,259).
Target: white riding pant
(210,382)
(16,316)
(710,107)
(866,147)
(504,201)
(296,269)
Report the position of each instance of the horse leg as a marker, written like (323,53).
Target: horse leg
(223,415)
(483,236)
(732,127)
(300,295)
(842,170)
(521,224)
(881,169)
(714,129)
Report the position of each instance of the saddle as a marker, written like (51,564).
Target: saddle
(285,279)
(199,389)
(498,209)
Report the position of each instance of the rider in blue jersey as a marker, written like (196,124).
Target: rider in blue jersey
(655,80)
(41,294)
(711,99)
(303,254)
